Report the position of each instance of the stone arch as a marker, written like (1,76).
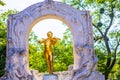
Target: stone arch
(19,26)
(49,16)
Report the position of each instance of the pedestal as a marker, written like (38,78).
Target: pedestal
(50,77)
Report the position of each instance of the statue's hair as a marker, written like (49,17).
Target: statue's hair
(49,32)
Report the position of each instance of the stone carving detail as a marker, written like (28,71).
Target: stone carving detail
(19,26)
(16,64)
(87,63)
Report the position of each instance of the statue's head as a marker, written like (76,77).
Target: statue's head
(49,34)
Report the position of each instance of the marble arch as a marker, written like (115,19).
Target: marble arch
(18,29)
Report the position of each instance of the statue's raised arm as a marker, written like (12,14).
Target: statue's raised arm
(41,41)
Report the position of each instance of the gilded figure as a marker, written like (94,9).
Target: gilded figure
(48,52)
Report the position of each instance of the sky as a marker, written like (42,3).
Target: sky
(42,27)
(20,4)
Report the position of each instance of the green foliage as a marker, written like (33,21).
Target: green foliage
(101,62)
(37,61)
(63,52)
(36,57)
(2,3)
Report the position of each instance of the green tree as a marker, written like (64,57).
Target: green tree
(36,57)
(63,52)
(105,15)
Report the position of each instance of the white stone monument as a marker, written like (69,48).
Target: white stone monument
(18,29)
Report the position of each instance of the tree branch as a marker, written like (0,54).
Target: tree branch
(111,19)
(106,38)
(97,38)
(98,30)
(114,60)
(106,41)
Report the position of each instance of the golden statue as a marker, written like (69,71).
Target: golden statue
(49,55)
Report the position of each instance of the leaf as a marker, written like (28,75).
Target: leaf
(2,3)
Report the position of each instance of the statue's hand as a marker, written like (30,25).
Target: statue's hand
(41,41)
(57,38)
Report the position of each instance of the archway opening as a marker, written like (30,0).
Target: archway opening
(63,50)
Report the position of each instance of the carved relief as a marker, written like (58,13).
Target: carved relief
(87,64)
(19,25)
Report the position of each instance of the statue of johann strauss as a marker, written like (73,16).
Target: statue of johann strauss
(49,55)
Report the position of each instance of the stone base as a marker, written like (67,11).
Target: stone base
(67,75)
(50,77)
